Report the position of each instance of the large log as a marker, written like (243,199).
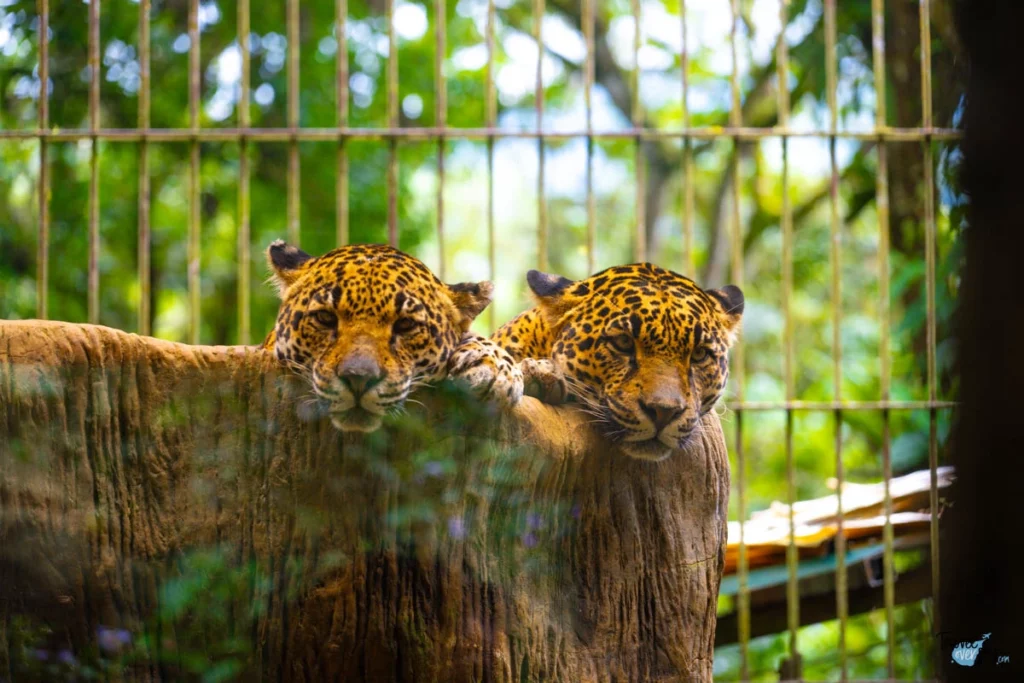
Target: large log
(169,509)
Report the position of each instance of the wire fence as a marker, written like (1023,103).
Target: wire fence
(395,134)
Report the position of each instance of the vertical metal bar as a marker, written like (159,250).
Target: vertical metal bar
(930,258)
(588,21)
(43,254)
(688,184)
(492,117)
(392,84)
(145,277)
(882,208)
(294,170)
(640,244)
(193,188)
(737,363)
(341,191)
(742,566)
(244,201)
(94,167)
(441,121)
(831,78)
(792,558)
(491,103)
(542,213)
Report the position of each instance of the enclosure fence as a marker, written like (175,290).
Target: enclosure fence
(394,135)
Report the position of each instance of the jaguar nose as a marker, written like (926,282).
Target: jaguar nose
(662,414)
(360,373)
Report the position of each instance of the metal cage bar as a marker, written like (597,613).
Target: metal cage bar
(392,104)
(737,364)
(490,122)
(636,116)
(394,134)
(882,202)
(689,186)
(194,183)
(294,166)
(588,20)
(782,75)
(835,235)
(743,134)
(542,208)
(94,163)
(144,266)
(341,113)
(43,112)
(244,180)
(441,120)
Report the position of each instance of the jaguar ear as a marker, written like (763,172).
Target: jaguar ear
(286,264)
(730,301)
(554,294)
(470,300)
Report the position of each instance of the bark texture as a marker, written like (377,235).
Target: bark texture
(191,500)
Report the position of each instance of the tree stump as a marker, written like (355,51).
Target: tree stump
(169,511)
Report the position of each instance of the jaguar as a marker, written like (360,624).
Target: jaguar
(367,324)
(642,349)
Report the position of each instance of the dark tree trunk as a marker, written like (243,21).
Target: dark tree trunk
(982,587)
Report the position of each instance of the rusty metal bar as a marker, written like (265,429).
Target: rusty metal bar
(688,167)
(737,364)
(792,558)
(441,121)
(194,255)
(742,564)
(882,208)
(43,253)
(745,134)
(492,117)
(244,200)
(145,272)
(392,85)
(640,245)
(844,406)
(294,167)
(542,209)
(341,179)
(94,165)
(835,226)
(588,21)
(930,258)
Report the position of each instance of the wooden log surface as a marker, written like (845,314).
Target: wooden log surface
(168,511)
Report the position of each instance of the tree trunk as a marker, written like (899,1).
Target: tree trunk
(173,509)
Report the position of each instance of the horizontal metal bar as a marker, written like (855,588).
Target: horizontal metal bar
(332,134)
(842,405)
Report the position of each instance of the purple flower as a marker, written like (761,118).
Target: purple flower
(534,520)
(41,655)
(456,527)
(529,540)
(112,639)
(575,511)
(66,657)
(433,468)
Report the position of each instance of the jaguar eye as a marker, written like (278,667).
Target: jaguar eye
(325,318)
(699,355)
(623,343)
(404,325)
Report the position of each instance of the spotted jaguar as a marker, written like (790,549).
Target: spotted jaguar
(643,349)
(367,324)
